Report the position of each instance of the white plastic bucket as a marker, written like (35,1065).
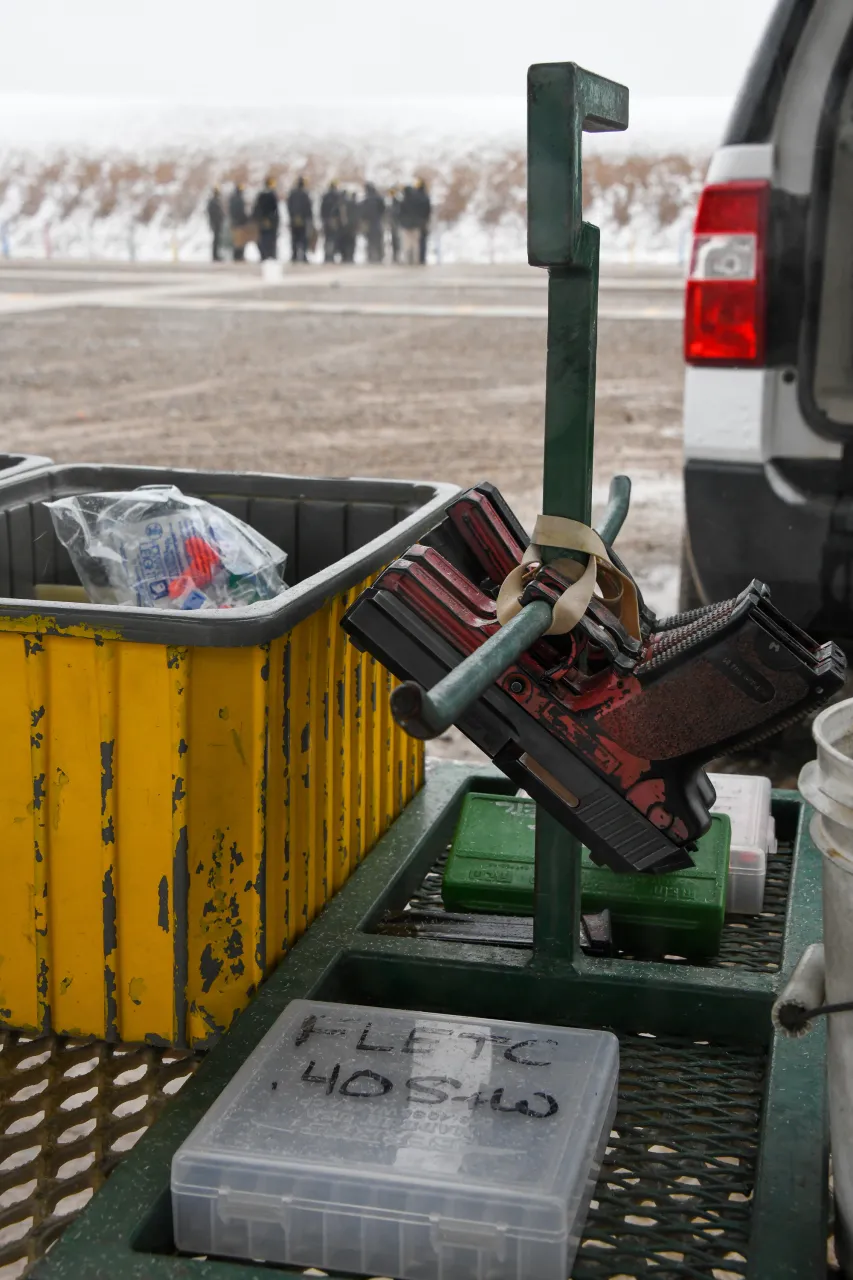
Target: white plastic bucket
(827,784)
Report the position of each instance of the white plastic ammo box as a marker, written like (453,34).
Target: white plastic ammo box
(390,1143)
(746,800)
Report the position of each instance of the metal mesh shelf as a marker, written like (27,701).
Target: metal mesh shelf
(748,942)
(674,1195)
(70,1110)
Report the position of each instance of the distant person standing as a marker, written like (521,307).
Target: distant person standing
(301,215)
(265,214)
(330,221)
(372,213)
(216,218)
(410,227)
(392,209)
(425,209)
(349,226)
(238,217)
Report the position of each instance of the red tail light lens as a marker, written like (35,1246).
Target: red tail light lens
(724,312)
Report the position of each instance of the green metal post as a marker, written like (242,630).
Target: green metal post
(570,384)
(618,501)
(428,714)
(562,101)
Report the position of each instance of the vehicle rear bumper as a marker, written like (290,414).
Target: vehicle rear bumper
(747,520)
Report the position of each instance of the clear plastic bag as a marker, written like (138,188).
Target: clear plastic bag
(157,547)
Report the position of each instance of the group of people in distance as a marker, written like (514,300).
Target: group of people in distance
(398,221)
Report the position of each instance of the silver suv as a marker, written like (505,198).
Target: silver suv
(768,412)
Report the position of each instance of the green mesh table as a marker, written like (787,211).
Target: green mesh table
(717,1164)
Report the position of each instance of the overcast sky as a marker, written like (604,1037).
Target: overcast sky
(280,51)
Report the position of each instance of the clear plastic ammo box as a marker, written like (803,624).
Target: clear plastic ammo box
(392,1143)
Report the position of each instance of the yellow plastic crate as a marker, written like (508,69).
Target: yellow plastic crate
(175,815)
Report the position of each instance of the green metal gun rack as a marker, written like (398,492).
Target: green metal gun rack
(718,1162)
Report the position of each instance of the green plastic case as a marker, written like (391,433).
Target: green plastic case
(491,868)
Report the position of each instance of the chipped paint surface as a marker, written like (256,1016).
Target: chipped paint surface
(136,990)
(175,818)
(35,626)
(163,907)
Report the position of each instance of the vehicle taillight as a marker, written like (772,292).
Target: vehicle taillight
(724,312)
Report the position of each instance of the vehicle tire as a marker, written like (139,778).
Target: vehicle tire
(688,592)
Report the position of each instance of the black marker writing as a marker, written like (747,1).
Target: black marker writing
(551,1108)
(367,1079)
(372,1048)
(310,1028)
(510,1054)
(418,1040)
(478,1099)
(431,1091)
(427,1085)
(481,1038)
(523,1107)
(329,1081)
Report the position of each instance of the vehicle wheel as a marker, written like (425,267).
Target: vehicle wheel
(688,593)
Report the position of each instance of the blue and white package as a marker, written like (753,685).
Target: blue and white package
(158,548)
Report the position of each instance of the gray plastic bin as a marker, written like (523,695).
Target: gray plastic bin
(335,533)
(182,793)
(13,465)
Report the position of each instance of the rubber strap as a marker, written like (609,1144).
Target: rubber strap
(614,588)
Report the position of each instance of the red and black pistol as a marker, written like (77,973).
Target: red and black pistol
(608,731)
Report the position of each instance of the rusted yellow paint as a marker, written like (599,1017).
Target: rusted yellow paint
(136,990)
(79,681)
(41,751)
(300,729)
(38,624)
(337,839)
(317,778)
(106,672)
(280,916)
(352,747)
(227,818)
(414,767)
(398,763)
(175,818)
(370,797)
(149,760)
(383,755)
(18,729)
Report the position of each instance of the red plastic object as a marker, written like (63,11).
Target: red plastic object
(179,585)
(203,562)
